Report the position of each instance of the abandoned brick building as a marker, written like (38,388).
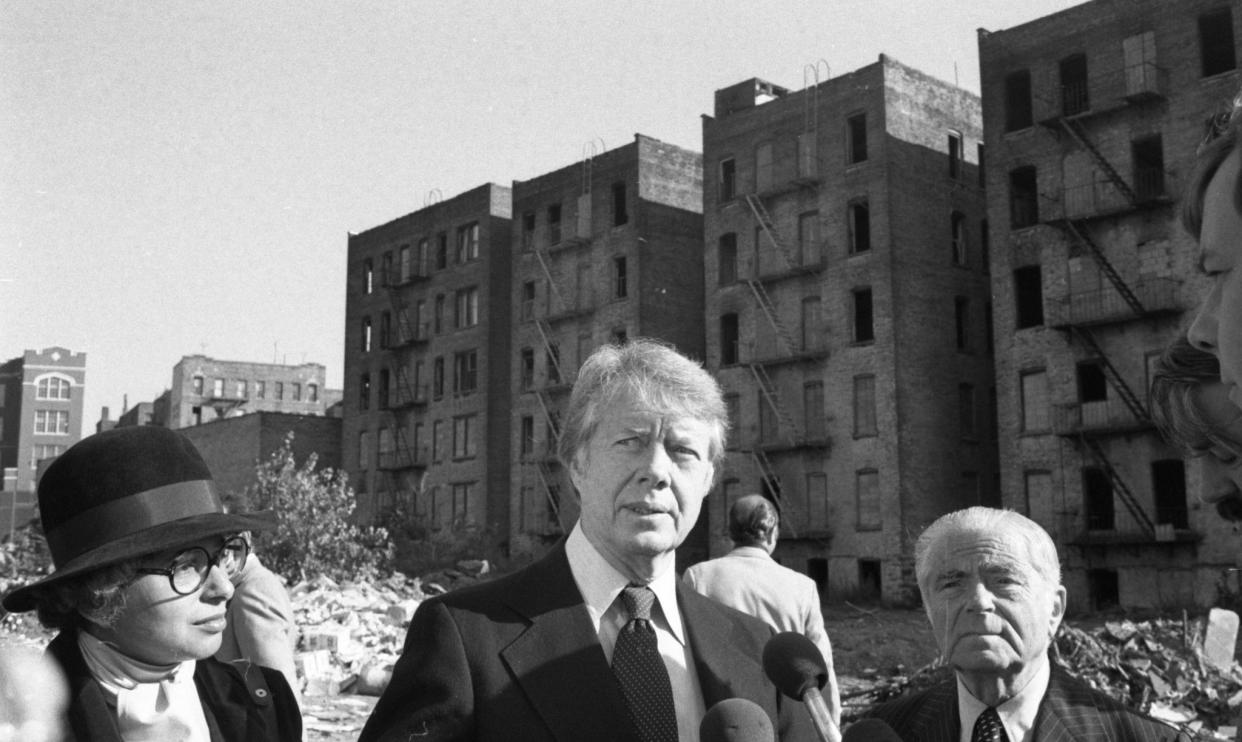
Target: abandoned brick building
(1091,119)
(427,362)
(847,314)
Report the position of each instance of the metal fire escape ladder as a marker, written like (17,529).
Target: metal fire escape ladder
(545,336)
(1119,486)
(1075,130)
(769,310)
(405,389)
(767,473)
(1114,377)
(546,477)
(549,416)
(553,284)
(765,220)
(1081,235)
(772,397)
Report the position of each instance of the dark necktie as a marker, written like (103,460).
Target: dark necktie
(639,668)
(988,728)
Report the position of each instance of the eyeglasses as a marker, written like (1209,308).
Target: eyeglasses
(189,568)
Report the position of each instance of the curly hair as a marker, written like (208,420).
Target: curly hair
(1224,136)
(97,596)
(1177,375)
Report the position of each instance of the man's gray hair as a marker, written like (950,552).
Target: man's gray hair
(1039,545)
(655,377)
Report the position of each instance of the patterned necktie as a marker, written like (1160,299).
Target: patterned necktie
(639,668)
(988,728)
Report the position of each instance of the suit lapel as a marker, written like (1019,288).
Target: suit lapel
(724,672)
(558,662)
(936,719)
(1067,714)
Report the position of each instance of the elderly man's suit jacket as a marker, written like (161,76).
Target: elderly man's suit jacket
(1070,712)
(518,659)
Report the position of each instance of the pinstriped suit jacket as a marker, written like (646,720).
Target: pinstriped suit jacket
(1070,712)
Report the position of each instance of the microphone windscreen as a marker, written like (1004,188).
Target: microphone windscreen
(870,730)
(794,664)
(736,720)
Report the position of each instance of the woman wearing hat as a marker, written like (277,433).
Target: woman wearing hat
(143,553)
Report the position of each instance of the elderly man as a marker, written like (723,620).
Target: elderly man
(991,584)
(598,640)
(750,580)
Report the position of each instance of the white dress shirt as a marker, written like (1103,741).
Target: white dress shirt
(1017,714)
(600,584)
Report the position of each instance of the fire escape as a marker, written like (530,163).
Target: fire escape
(561,306)
(1081,314)
(779,429)
(403,462)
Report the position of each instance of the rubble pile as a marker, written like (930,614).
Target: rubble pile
(352,633)
(1162,667)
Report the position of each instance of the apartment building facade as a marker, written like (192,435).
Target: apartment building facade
(606,249)
(427,346)
(41,397)
(1092,117)
(847,315)
(206,389)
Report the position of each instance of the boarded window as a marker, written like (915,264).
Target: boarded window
(1034,401)
(867,496)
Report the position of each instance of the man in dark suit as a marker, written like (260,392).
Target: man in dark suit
(991,585)
(598,640)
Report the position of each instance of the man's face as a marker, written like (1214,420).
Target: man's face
(991,612)
(642,478)
(1218,325)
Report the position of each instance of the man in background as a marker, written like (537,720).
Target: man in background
(750,580)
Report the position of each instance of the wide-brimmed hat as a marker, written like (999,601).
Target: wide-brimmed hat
(124,493)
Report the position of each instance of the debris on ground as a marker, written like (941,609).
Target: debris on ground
(352,633)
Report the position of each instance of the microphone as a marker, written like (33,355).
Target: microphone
(796,667)
(736,720)
(870,730)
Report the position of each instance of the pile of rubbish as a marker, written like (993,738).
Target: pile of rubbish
(351,634)
(1180,671)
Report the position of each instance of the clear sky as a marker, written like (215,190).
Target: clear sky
(179,178)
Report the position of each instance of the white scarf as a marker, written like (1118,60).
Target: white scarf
(154,703)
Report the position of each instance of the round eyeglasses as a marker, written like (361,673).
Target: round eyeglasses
(189,568)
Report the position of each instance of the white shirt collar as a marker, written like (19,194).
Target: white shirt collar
(600,583)
(1017,714)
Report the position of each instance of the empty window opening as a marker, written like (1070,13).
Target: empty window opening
(1148,157)
(1074,95)
(1028,290)
(1168,481)
(857,138)
(1023,197)
(727,272)
(1104,589)
(860,227)
(1097,498)
(1018,114)
(955,154)
(864,330)
(728,339)
(728,179)
(620,214)
(1092,383)
(1216,45)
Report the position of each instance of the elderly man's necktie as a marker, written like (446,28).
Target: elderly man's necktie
(639,668)
(988,728)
